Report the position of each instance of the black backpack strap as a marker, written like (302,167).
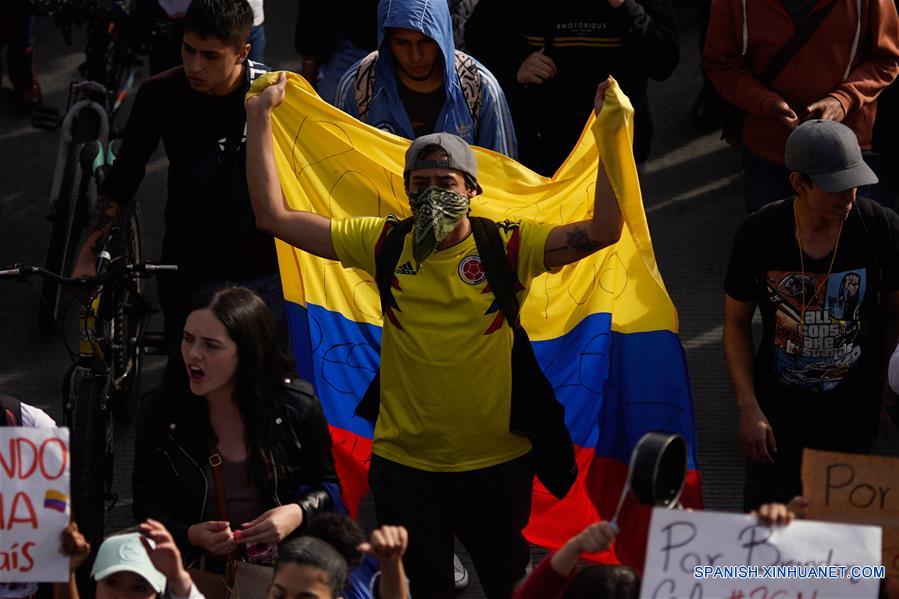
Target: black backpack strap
(387,254)
(386,257)
(534,412)
(10,411)
(499,275)
(804,31)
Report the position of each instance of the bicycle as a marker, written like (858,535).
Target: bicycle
(113,338)
(116,39)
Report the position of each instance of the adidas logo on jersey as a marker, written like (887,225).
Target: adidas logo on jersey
(406,269)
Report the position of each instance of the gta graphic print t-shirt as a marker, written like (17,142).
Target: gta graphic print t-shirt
(817,326)
(818,370)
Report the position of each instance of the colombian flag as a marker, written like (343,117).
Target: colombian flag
(604,329)
(56,500)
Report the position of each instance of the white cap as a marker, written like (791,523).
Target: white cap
(126,553)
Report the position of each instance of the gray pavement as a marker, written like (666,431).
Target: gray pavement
(692,193)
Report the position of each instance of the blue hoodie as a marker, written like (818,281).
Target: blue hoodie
(431,18)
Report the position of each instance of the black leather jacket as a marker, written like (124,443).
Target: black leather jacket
(170,483)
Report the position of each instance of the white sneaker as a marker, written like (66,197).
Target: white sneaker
(460,574)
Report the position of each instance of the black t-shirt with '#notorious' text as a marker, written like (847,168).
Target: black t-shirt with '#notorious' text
(819,371)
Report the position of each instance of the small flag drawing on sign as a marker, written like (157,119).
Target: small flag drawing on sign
(56,500)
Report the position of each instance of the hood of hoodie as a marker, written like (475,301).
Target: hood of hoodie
(429,17)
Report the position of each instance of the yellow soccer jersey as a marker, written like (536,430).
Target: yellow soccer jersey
(446,374)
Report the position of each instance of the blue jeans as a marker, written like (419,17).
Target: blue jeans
(765,181)
(257,43)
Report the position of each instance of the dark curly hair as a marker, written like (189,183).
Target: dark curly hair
(341,532)
(228,21)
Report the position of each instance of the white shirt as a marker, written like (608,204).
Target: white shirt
(36,417)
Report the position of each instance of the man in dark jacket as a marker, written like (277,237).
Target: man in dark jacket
(197,111)
(836,75)
(549,57)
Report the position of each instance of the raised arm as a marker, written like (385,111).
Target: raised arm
(305,230)
(574,241)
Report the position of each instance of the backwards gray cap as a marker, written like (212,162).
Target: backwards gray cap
(459,156)
(828,152)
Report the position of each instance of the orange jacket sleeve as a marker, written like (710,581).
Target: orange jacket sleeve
(879,58)
(725,65)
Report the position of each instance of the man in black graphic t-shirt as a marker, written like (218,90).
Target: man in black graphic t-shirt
(823,268)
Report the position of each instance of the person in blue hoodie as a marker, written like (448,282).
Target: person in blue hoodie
(418,83)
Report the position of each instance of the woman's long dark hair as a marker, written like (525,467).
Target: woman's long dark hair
(261,368)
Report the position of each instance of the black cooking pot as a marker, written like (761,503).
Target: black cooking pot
(658,468)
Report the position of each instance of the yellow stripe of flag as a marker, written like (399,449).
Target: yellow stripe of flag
(334,165)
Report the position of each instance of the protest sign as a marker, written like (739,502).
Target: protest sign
(845,487)
(710,555)
(34,503)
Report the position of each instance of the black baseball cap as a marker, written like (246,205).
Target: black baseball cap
(459,156)
(828,152)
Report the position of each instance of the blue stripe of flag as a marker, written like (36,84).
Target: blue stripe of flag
(614,386)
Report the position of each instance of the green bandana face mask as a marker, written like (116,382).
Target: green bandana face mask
(436,211)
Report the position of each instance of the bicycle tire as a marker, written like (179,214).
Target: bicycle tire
(91,443)
(70,218)
(124,313)
(64,235)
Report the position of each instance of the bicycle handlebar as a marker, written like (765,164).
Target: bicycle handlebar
(21,271)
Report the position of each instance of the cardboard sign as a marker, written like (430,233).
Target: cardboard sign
(706,555)
(34,503)
(846,487)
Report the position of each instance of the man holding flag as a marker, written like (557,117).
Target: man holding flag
(444,458)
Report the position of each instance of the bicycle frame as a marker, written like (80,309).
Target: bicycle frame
(85,95)
(88,344)
(94,95)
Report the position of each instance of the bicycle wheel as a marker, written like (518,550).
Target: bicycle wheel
(90,430)
(126,313)
(69,219)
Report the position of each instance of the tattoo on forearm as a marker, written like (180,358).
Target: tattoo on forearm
(579,240)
